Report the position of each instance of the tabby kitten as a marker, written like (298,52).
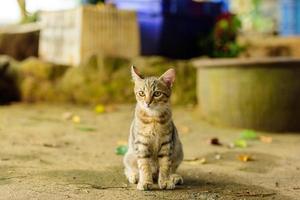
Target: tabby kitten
(154,151)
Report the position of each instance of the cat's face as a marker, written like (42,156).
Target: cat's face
(153,93)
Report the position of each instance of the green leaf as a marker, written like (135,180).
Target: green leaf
(240,143)
(86,128)
(248,135)
(223,24)
(121,150)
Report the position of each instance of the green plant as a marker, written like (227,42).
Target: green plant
(26,17)
(222,40)
(261,22)
(92,1)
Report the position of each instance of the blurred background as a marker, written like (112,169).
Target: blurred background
(71,51)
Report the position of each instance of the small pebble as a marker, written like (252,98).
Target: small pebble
(214,141)
(218,157)
(266,139)
(67,115)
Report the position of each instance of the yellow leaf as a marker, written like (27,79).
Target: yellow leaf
(184,129)
(100,108)
(202,161)
(196,161)
(76,119)
(245,158)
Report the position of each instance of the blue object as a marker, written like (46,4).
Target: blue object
(152,7)
(173,28)
(193,7)
(181,7)
(290,17)
(151,27)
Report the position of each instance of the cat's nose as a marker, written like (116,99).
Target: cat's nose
(148,101)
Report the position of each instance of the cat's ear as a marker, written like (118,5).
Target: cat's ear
(168,77)
(135,74)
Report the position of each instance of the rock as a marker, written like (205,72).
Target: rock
(8,81)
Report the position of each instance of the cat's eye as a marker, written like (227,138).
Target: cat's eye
(141,93)
(157,94)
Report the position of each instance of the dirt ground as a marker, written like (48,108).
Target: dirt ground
(44,156)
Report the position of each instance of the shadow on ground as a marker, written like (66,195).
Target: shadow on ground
(198,185)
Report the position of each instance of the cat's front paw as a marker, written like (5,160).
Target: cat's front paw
(177,179)
(133,178)
(144,185)
(166,184)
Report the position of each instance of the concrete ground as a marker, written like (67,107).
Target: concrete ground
(44,156)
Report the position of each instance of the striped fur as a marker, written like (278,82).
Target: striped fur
(155,150)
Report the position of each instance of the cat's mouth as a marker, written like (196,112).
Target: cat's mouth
(147,106)
(151,107)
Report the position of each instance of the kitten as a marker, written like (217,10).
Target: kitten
(155,150)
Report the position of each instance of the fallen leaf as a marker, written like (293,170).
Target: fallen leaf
(67,115)
(86,128)
(121,150)
(76,119)
(245,158)
(111,108)
(191,159)
(214,141)
(202,161)
(100,108)
(85,190)
(51,145)
(248,135)
(196,161)
(266,139)
(184,129)
(240,143)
